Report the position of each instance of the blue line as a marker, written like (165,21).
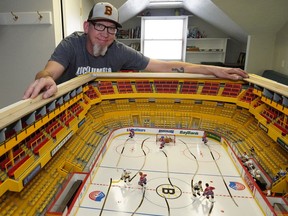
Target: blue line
(181,173)
(83,207)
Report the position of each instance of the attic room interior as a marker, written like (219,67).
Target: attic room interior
(71,150)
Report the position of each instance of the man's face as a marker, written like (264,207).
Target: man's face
(101,35)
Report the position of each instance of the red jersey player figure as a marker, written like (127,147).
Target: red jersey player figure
(143,180)
(197,187)
(132,133)
(162,140)
(208,192)
(204,138)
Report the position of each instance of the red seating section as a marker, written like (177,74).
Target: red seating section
(282,124)
(231,90)
(91,93)
(35,140)
(248,96)
(189,87)
(210,88)
(40,145)
(66,118)
(106,87)
(270,114)
(77,109)
(143,86)
(124,86)
(5,163)
(166,86)
(17,165)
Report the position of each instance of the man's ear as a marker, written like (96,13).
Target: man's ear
(86,26)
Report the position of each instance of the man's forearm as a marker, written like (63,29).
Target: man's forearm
(42,74)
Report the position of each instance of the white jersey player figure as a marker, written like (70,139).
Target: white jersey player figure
(208,192)
(131,133)
(126,176)
(204,138)
(197,188)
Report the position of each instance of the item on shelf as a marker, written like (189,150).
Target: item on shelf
(192,48)
(135,46)
(129,33)
(195,33)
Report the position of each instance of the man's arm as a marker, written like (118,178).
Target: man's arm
(184,67)
(45,81)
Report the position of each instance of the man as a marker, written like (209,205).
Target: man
(96,50)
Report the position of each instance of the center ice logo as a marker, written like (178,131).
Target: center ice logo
(236,186)
(96,195)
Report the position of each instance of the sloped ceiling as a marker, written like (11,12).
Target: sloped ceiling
(237,18)
(257,16)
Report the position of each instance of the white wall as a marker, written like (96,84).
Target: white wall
(24,49)
(260,51)
(281,51)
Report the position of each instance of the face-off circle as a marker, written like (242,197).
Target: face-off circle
(169,191)
(178,193)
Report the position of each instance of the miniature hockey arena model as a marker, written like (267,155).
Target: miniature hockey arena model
(51,149)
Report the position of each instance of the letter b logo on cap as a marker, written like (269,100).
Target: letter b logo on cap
(108,10)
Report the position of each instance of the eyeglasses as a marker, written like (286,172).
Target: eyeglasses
(101,27)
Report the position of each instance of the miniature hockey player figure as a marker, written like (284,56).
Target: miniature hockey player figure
(204,138)
(252,151)
(143,179)
(208,192)
(162,144)
(161,139)
(132,133)
(197,188)
(126,176)
(244,157)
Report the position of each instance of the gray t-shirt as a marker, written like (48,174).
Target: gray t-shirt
(73,55)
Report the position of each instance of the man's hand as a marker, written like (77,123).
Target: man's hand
(45,84)
(229,73)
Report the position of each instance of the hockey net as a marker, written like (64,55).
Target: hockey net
(168,138)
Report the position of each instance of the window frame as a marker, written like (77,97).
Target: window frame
(182,39)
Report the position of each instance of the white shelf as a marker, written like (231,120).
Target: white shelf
(203,39)
(207,50)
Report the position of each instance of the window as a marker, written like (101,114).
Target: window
(164,37)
